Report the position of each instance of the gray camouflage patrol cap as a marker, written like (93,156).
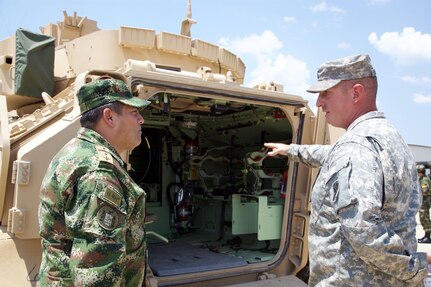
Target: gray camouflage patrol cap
(105,91)
(332,73)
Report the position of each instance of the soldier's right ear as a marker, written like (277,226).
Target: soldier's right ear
(107,116)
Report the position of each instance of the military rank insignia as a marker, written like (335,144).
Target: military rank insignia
(108,217)
(104,155)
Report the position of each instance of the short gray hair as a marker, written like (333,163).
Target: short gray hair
(90,118)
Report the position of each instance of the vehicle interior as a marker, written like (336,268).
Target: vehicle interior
(215,199)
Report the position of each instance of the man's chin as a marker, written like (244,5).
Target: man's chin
(132,146)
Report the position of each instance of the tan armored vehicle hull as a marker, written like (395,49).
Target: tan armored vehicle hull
(220,212)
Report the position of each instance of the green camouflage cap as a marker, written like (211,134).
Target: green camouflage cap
(105,91)
(332,73)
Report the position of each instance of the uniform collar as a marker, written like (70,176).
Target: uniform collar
(365,117)
(95,138)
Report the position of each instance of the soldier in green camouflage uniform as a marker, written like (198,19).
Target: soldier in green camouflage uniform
(424,212)
(366,197)
(91,213)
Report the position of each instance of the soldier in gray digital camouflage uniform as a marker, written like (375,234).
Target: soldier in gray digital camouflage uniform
(366,196)
(91,213)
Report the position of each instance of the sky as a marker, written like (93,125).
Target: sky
(283,40)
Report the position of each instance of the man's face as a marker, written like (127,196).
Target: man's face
(336,104)
(128,128)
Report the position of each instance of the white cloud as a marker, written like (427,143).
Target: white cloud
(404,47)
(289,19)
(285,69)
(324,7)
(344,45)
(421,99)
(416,80)
(266,43)
(271,64)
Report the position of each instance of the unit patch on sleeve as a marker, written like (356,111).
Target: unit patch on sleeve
(108,217)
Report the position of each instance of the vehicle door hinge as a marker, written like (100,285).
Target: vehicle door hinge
(21,172)
(16,220)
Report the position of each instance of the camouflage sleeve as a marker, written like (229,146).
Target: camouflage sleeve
(356,186)
(425,184)
(310,155)
(52,229)
(96,217)
(51,208)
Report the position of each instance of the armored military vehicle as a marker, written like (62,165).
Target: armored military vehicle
(220,212)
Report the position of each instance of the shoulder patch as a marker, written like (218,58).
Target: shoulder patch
(104,155)
(108,217)
(112,196)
